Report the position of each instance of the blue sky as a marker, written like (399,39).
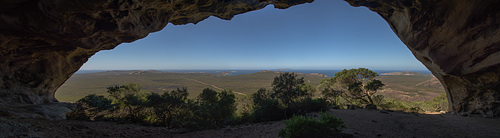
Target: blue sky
(324,35)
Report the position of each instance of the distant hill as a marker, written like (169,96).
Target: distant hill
(403,73)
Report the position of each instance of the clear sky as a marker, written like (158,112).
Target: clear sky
(324,35)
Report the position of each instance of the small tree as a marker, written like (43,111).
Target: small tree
(132,98)
(226,105)
(169,106)
(287,87)
(208,96)
(265,107)
(213,109)
(354,84)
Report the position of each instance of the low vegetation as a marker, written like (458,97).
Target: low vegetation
(81,85)
(358,88)
(289,97)
(354,84)
(211,109)
(438,104)
(301,127)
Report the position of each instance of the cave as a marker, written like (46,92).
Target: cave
(45,42)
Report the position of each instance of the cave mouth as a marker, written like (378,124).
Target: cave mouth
(293,46)
(43,46)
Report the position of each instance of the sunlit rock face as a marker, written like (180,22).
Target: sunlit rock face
(43,42)
(458,40)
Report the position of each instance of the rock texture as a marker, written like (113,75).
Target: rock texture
(43,42)
(458,40)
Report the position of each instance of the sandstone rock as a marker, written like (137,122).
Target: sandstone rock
(458,40)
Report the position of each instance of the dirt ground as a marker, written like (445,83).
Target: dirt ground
(360,123)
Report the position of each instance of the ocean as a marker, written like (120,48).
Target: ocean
(329,73)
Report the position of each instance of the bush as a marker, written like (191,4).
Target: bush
(266,108)
(90,106)
(354,85)
(299,127)
(310,105)
(168,108)
(212,109)
(131,100)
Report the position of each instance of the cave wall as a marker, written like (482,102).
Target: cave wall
(43,42)
(457,40)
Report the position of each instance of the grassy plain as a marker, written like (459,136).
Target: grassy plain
(80,85)
(413,87)
(404,87)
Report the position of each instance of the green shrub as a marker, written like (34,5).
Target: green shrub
(287,87)
(268,110)
(168,109)
(265,107)
(132,102)
(90,106)
(288,96)
(299,127)
(310,105)
(212,109)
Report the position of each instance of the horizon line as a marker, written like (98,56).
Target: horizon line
(261,69)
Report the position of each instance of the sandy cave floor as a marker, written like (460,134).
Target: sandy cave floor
(360,123)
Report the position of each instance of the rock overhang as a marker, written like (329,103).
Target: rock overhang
(44,42)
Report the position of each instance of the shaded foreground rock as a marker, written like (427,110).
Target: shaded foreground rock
(42,43)
(10,128)
(458,40)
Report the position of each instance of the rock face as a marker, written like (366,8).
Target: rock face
(458,40)
(43,42)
